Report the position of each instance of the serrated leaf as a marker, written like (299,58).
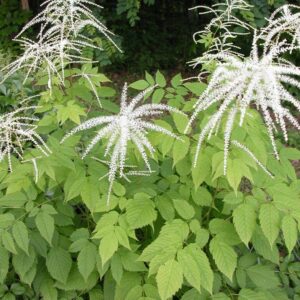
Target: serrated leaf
(4,264)
(202,170)
(116,267)
(224,256)
(139,85)
(180,149)
(48,291)
(158,95)
(190,269)
(206,273)
(290,232)
(181,122)
(234,173)
(6,220)
(122,237)
(20,234)
(59,264)
(160,79)
(87,260)
(184,209)
(269,221)
(244,220)
(108,246)
(263,276)
(169,279)
(45,224)
(140,212)
(8,242)
(176,80)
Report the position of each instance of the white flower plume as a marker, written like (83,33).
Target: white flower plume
(60,40)
(236,83)
(221,30)
(283,22)
(130,125)
(15,132)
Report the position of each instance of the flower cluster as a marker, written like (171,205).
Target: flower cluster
(284,21)
(130,125)
(262,79)
(60,40)
(221,30)
(15,131)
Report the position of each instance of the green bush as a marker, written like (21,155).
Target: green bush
(186,231)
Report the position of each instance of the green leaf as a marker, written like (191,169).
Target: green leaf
(45,224)
(165,208)
(116,268)
(59,263)
(90,195)
(181,122)
(6,220)
(48,291)
(160,79)
(202,170)
(180,149)
(8,242)
(87,260)
(244,220)
(158,95)
(224,256)
(263,276)
(206,273)
(135,293)
(176,80)
(4,264)
(184,209)
(25,266)
(269,221)
(122,237)
(190,268)
(195,87)
(169,279)
(20,234)
(290,232)
(234,173)
(108,246)
(140,212)
(139,85)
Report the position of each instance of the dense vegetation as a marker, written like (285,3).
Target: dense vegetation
(188,230)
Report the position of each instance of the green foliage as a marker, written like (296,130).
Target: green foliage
(12,18)
(183,232)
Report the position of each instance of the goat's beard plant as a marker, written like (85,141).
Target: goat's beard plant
(184,231)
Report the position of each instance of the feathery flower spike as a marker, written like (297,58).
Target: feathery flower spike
(221,28)
(236,83)
(284,21)
(15,131)
(131,124)
(60,41)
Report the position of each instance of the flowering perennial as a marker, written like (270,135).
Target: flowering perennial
(130,125)
(236,83)
(60,40)
(15,131)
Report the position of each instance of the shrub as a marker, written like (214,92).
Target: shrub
(220,222)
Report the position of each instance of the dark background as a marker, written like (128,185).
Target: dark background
(154,34)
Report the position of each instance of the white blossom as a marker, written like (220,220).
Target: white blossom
(60,40)
(15,132)
(221,30)
(237,83)
(283,22)
(132,124)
